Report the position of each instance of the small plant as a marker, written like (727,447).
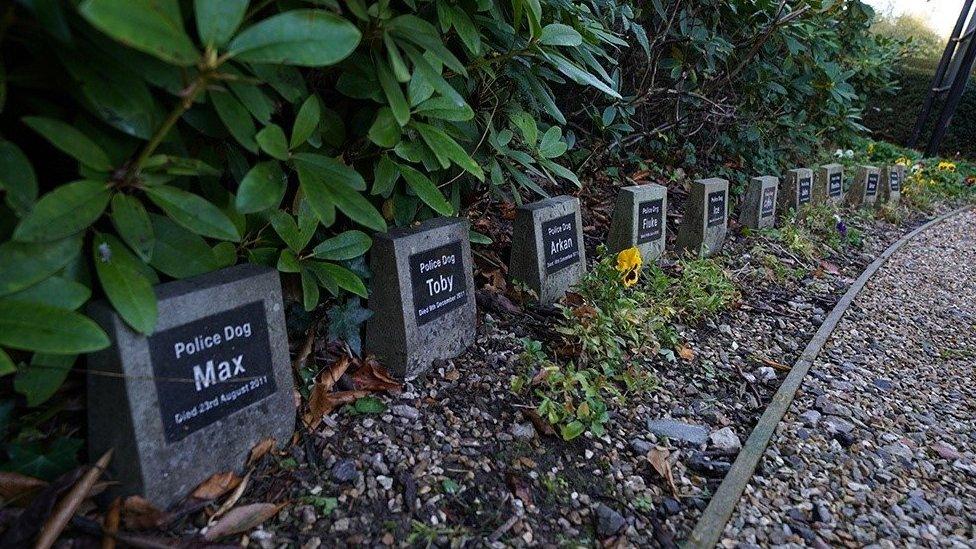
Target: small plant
(703,289)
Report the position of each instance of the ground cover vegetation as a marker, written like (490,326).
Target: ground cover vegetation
(149,141)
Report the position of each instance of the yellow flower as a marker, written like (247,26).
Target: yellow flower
(629,262)
(945,166)
(870,148)
(902,161)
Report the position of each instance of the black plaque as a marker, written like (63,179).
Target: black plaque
(438,281)
(716,208)
(649,220)
(836,184)
(872,185)
(894,181)
(560,243)
(208,369)
(805,188)
(768,202)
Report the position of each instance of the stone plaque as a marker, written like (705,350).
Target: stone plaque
(193,398)
(758,208)
(889,189)
(650,220)
(716,208)
(229,357)
(421,296)
(439,284)
(828,184)
(547,247)
(704,225)
(639,220)
(795,190)
(560,240)
(864,191)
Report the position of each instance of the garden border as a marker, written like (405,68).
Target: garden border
(711,524)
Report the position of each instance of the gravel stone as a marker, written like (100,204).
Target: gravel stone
(676,430)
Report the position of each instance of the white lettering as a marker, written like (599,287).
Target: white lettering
(204,378)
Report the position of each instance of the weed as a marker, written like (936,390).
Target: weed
(424,535)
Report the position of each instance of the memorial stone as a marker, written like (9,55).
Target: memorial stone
(194,397)
(864,191)
(892,177)
(639,220)
(421,295)
(547,247)
(705,222)
(758,209)
(829,184)
(797,190)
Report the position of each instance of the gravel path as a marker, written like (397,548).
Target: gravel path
(879,446)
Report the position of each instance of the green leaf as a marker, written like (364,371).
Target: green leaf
(46,329)
(580,76)
(70,141)
(527,127)
(305,122)
(175,165)
(343,277)
(466,29)
(56,292)
(572,430)
(393,92)
(43,377)
(132,223)
(152,26)
(263,187)
(66,210)
(32,459)
(284,224)
(24,264)
(385,130)
(443,145)
(369,405)
(346,320)
(193,212)
(17,178)
(218,19)
(552,145)
(7,367)
(310,290)
(310,38)
(400,70)
(272,140)
(129,292)
(348,245)
(385,175)
(478,238)
(325,182)
(178,252)
(236,119)
(557,34)
(426,190)
(418,31)
(288,263)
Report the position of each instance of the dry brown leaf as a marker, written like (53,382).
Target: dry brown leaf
(452,375)
(519,488)
(776,365)
(686,352)
(17,489)
(330,377)
(541,426)
(242,519)
(573,299)
(111,526)
(65,509)
(372,376)
(540,376)
(585,313)
(217,485)
(139,514)
(322,403)
(305,352)
(659,460)
(830,267)
(260,450)
(233,499)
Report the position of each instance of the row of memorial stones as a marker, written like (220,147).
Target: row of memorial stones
(215,378)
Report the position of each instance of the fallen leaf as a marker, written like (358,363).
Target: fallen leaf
(371,376)
(242,519)
(830,267)
(17,489)
(585,313)
(519,488)
(65,509)
(330,377)
(322,403)
(685,352)
(452,375)
(775,365)
(260,450)
(217,485)
(111,526)
(139,514)
(540,376)
(541,426)
(659,460)
(233,499)
(573,299)
(306,351)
